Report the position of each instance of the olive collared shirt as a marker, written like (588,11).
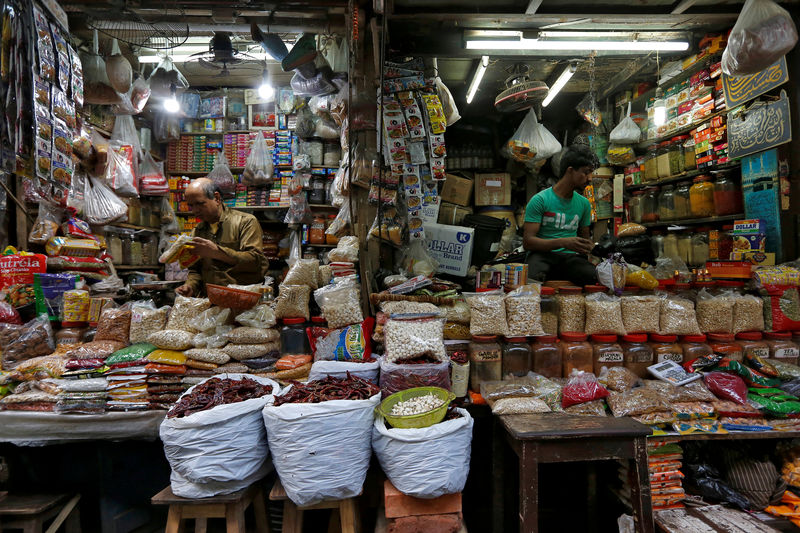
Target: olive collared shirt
(239,236)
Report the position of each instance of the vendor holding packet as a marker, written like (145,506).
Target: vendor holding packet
(228,242)
(557,219)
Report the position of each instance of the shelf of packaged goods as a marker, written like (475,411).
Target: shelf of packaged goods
(200,173)
(693,221)
(323,207)
(215,132)
(138,267)
(680,131)
(685,176)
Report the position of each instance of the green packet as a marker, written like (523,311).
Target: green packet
(775,406)
(131,353)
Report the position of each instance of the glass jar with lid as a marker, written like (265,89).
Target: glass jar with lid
(727,196)
(689,159)
(666,348)
(663,160)
(486,361)
(701,197)
(666,203)
(517,357)
(638,354)
(651,164)
(726,344)
(657,243)
(682,207)
(293,337)
(781,346)
(677,155)
(753,345)
(725,245)
(635,207)
(695,346)
(650,209)
(671,245)
(576,353)
(127,248)
(549,308)
(316,194)
(546,353)
(684,247)
(699,248)
(607,352)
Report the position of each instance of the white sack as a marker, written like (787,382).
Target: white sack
(186,489)
(339,369)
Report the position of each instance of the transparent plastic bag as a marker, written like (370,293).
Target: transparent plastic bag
(588,110)
(221,175)
(145,319)
(47,223)
(639,401)
(260,316)
(250,335)
(414,337)
(581,387)
(340,304)
(396,377)
(762,34)
(612,273)
(626,132)
(208,355)
(292,301)
(151,177)
(114,325)
(184,311)
(571,312)
(448,102)
(299,211)
(125,134)
(258,169)
(97,88)
(459,312)
(714,312)
(171,339)
(240,352)
(210,318)
(604,315)
(532,141)
(165,77)
(620,154)
(748,314)
(346,250)
(677,317)
(102,205)
(341,223)
(617,378)
(166,128)
(27,341)
(524,312)
(119,174)
(487,313)
(303,272)
(638,313)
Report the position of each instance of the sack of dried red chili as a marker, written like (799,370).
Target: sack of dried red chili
(727,386)
(581,387)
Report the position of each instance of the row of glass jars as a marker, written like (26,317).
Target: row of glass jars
(703,198)
(554,357)
(669,158)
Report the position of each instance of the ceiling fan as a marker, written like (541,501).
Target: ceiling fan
(521,91)
(221,54)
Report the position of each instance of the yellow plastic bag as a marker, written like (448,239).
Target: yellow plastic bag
(166,357)
(641,278)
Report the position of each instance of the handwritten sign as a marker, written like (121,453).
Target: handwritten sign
(741,89)
(762,126)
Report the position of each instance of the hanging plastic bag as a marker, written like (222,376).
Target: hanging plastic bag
(47,223)
(125,134)
(169,222)
(151,177)
(76,201)
(119,70)
(97,87)
(626,132)
(448,102)
(222,177)
(612,273)
(166,128)
(258,169)
(531,141)
(102,205)
(341,224)
(588,110)
(416,260)
(620,154)
(165,77)
(763,33)
(133,102)
(119,171)
(316,85)
(299,212)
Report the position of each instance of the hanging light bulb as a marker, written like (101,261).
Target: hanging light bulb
(171,104)
(659,109)
(265,90)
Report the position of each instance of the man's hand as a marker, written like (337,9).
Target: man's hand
(578,244)
(185,290)
(205,248)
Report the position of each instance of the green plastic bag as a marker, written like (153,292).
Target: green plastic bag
(131,353)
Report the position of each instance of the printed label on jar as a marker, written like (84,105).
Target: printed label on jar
(671,356)
(642,358)
(610,357)
(459,377)
(763,353)
(787,353)
(487,355)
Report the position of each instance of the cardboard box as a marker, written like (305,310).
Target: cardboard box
(757,258)
(457,190)
(729,269)
(493,189)
(452,214)
(451,246)
(753,225)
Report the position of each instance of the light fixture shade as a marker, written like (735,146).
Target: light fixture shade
(573,45)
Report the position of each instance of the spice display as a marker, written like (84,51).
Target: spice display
(638,315)
(725,343)
(781,347)
(701,197)
(603,315)
(571,309)
(485,361)
(487,313)
(546,355)
(714,313)
(412,337)
(330,388)
(417,405)
(576,353)
(638,354)
(523,311)
(216,391)
(753,346)
(517,358)
(606,352)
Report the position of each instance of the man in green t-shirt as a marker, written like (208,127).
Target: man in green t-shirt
(557,223)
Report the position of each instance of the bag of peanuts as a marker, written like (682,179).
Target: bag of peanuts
(523,311)
(19,343)
(487,313)
(714,312)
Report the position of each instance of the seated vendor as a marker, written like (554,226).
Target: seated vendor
(228,242)
(557,219)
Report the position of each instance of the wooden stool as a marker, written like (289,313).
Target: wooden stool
(293,515)
(29,513)
(231,507)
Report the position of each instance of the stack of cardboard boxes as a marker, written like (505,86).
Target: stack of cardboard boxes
(491,189)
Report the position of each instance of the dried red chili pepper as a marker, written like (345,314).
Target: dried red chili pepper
(330,388)
(216,392)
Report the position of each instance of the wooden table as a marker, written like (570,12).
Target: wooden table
(559,438)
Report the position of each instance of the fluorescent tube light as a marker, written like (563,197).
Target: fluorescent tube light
(476,79)
(623,46)
(559,84)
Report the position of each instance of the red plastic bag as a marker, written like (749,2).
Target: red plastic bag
(581,387)
(727,386)
(9,315)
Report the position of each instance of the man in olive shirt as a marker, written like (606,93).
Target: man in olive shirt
(228,242)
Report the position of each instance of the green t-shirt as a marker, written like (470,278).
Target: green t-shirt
(558,217)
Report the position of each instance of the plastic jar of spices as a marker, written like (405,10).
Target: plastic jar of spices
(650,205)
(727,196)
(549,309)
(725,343)
(293,337)
(546,353)
(682,209)
(517,356)
(782,347)
(638,354)
(486,361)
(695,346)
(666,348)
(701,197)
(458,352)
(666,203)
(753,344)
(576,353)
(607,352)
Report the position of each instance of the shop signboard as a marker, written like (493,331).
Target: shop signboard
(761,126)
(760,190)
(741,89)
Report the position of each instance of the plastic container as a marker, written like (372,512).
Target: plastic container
(727,196)
(695,346)
(316,194)
(682,208)
(576,353)
(684,247)
(701,197)
(635,207)
(592,289)
(677,154)
(332,153)
(549,308)
(651,164)
(671,245)
(293,337)
(488,232)
(650,209)
(782,347)
(606,352)
(486,361)
(638,354)
(517,358)
(663,160)
(666,348)
(725,244)
(313,147)
(421,420)
(666,203)
(753,344)
(699,252)
(316,231)
(546,353)
(689,158)
(725,343)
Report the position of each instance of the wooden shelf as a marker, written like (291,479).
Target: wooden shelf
(125,225)
(319,245)
(680,131)
(694,221)
(138,267)
(685,176)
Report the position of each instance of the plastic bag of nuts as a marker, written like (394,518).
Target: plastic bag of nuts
(458,312)
(184,311)
(248,335)
(487,313)
(638,313)
(714,313)
(303,272)
(748,314)
(240,352)
(19,343)
(571,309)
(114,325)
(340,304)
(604,314)
(292,301)
(677,316)
(172,339)
(523,312)
(145,319)
(210,318)
(410,336)
(260,316)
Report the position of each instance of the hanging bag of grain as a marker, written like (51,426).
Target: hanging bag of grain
(762,34)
